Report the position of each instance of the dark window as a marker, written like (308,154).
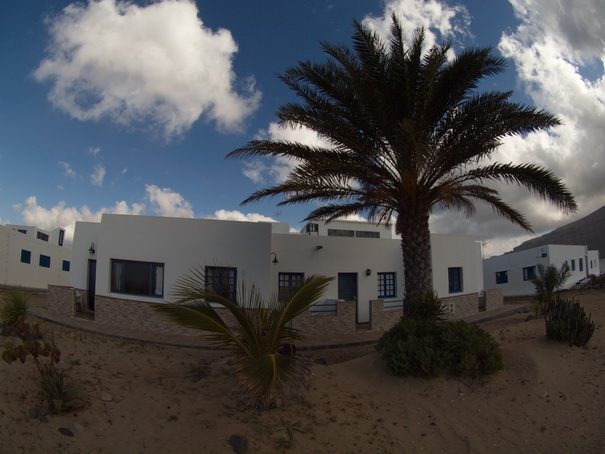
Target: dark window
(362,234)
(42,236)
(337,232)
(288,284)
(312,228)
(137,278)
(501,277)
(22,231)
(573,265)
(61,237)
(26,256)
(529,273)
(66,265)
(581,264)
(222,280)
(455,279)
(44,261)
(386,285)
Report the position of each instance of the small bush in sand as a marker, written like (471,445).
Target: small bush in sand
(566,321)
(13,310)
(59,394)
(420,348)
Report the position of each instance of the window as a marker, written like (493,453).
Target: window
(337,232)
(221,280)
(455,279)
(23,231)
(61,237)
(66,265)
(501,277)
(137,278)
(312,228)
(26,256)
(44,261)
(386,285)
(362,234)
(288,284)
(529,273)
(573,265)
(42,236)
(581,264)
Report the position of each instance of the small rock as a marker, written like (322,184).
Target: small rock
(42,418)
(106,397)
(77,427)
(33,413)
(239,443)
(544,395)
(65,431)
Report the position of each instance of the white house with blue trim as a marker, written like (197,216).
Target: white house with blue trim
(513,272)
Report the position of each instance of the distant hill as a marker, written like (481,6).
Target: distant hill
(589,230)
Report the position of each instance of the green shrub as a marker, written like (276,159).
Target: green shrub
(566,321)
(421,348)
(427,307)
(15,305)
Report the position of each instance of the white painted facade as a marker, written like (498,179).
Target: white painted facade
(260,252)
(512,271)
(32,257)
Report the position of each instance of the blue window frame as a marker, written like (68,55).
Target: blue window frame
(501,277)
(222,280)
(42,236)
(26,256)
(529,273)
(288,283)
(66,265)
(387,285)
(454,279)
(44,261)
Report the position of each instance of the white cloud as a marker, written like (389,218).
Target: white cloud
(165,202)
(155,66)
(94,151)
(61,216)
(227,215)
(97,177)
(67,169)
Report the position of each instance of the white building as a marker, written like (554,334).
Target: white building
(125,263)
(513,272)
(33,258)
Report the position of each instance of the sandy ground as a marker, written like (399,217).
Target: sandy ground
(144,398)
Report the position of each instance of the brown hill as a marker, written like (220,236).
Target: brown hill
(589,230)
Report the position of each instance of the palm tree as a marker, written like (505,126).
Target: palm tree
(265,368)
(548,281)
(407,132)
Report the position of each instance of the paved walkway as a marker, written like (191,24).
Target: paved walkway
(358,338)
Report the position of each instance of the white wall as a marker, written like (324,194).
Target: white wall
(15,273)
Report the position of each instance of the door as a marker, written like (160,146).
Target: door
(347,289)
(91,284)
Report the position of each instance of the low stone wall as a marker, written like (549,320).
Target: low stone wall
(464,305)
(382,320)
(326,324)
(494,299)
(61,299)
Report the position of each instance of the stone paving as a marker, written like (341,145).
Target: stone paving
(358,338)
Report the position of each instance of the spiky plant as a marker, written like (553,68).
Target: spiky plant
(261,331)
(15,305)
(548,280)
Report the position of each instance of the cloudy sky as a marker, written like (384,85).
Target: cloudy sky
(131,107)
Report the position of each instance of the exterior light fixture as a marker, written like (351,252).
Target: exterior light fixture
(92,249)
(368,272)
(319,247)
(274,257)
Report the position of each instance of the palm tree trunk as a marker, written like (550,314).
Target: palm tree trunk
(416,248)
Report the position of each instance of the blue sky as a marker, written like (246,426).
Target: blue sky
(131,107)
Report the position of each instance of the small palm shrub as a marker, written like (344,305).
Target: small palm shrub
(547,282)
(15,305)
(261,343)
(421,348)
(426,306)
(60,394)
(566,321)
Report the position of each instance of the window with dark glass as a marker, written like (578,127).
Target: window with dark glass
(66,265)
(288,284)
(61,237)
(386,285)
(581,264)
(502,277)
(137,278)
(222,280)
(26,256)
(454,279)
(44,261)
(364,234)
(42,236)
(529,273)
(340,232)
